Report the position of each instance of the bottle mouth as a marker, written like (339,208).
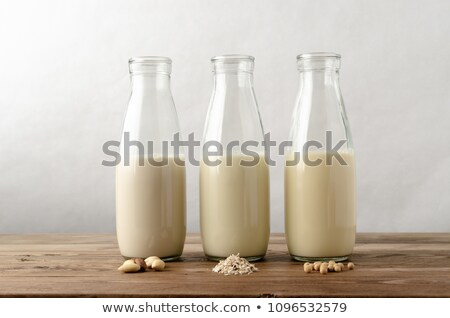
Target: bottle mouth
(233,63)
(150,65)
(232,58)
(318,55)
(318,61)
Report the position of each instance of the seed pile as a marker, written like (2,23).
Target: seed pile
(324,267)
(234,265)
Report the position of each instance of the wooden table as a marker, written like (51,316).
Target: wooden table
(74,265)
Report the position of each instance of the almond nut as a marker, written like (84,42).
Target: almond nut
(149,260)
(129,266)
(158,265)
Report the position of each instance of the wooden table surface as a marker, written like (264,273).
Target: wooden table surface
(74,265)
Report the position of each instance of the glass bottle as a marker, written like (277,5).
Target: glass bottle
(320,217)
(150,179)
(234,183)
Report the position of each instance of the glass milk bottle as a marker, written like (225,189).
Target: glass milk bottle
(150,179)
(320,217)
(234,183)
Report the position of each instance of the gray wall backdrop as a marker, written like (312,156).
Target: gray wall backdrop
(64,86)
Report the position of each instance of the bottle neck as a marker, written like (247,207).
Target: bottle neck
(320,107)
(150,73)
(145,82)
(233,81)
(325,79)
(233,72)
(319,71)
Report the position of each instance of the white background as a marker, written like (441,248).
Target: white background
(64,86)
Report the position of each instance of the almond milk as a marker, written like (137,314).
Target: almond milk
(234,208)
(150,209)
(320,218)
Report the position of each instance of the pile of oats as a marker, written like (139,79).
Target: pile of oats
(234,265)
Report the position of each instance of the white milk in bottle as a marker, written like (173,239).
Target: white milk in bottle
(150,179)
(320,214)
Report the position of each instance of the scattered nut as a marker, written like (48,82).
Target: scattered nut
(141,263)
(317,265)
(149,260)
(129,266)
(158,265)
(128,261)
(308,268)
(324,268)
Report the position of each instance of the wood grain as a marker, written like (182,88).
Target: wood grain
(74,265)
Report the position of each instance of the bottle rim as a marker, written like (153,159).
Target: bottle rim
(318,55)
(150,65)
(232,58)
(150,60)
